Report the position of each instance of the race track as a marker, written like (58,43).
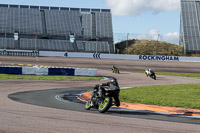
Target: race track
(31,106)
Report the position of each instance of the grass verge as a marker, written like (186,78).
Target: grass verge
(34,77)
(179,74)
(186,96)
(196,75)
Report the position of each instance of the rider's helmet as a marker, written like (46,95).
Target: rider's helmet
(113,82)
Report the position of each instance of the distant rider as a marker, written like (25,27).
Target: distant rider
(149,72)
(114,68)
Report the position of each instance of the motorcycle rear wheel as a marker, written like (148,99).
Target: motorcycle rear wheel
(105,105)
(118,71)
(154,77)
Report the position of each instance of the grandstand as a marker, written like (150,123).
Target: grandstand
(43,28)
(189,29)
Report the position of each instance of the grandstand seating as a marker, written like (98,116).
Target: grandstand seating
(104,25)
(87,25)
(63,22)
(46,44)
(48,28)
(7,43)
(94,46)
(80,46)
(24,21)
(30,21)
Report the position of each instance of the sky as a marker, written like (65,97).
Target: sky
(137,19)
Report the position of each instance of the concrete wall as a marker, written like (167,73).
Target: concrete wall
(120,56)
(117,56)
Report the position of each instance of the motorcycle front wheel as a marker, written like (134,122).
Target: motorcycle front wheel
(88,105)
(105,105)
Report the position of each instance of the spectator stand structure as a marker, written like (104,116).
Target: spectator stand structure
(43,28)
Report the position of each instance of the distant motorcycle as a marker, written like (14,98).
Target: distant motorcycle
(115,70)
(150,73)
(102,99)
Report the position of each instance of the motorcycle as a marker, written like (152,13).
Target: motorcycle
(115,70)
(150,73)
(102,99)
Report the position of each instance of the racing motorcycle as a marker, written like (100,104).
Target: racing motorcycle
(102,99)
(115,70)
(150,73)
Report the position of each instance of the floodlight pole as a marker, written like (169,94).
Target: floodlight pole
(127,43)
(157,44)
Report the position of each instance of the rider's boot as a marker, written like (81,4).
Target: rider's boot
(117,102)
(92,102)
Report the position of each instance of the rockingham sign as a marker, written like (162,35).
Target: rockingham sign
(158,58)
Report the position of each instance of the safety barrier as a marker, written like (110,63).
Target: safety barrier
(114,56)
(19,53)
(48,71)
(120,56)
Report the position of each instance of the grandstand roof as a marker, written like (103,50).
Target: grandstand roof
(54,8)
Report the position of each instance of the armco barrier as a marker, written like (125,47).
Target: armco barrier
(41,70)
(10,70)
(29,71)
(85,72)
(48,71)
(61,71)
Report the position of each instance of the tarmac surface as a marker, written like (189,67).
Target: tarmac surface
(32,106)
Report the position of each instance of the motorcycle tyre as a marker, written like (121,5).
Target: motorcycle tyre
(154,77)
(88,105)
(103,108)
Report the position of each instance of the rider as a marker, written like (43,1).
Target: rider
(113,67)
(148,72)
(113,85)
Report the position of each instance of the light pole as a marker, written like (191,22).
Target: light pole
(157,44)
(127,43)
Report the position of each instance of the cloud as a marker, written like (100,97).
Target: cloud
(171,37)
(151,35)
(136,7)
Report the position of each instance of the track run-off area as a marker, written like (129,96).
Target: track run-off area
(33,106)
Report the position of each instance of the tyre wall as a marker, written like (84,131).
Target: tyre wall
(48,71)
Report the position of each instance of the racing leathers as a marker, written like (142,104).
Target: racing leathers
(113,85)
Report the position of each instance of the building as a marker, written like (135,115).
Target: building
(24,27)
(190,26)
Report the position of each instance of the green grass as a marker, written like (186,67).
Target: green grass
(34,77)
(186,96)
(195,75)
(179,74)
